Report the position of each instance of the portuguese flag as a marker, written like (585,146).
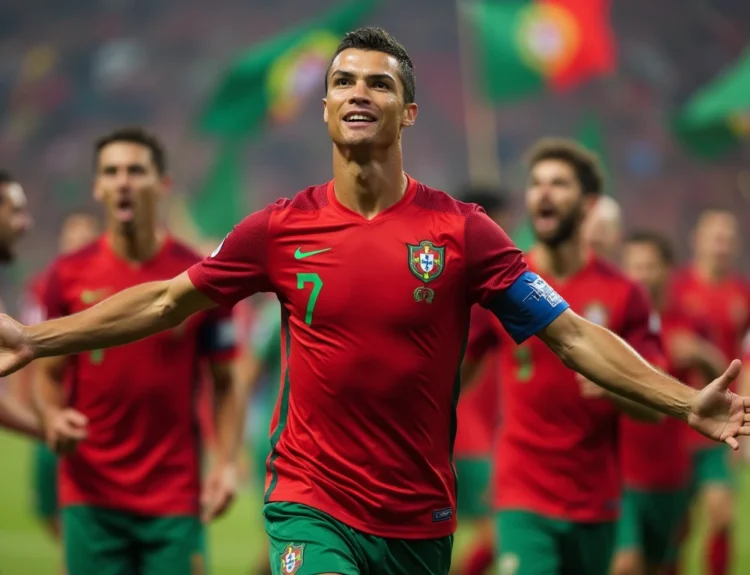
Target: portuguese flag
(527,46)
(266,83)
(717,118)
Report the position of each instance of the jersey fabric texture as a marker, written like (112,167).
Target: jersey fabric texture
(375,316)
(142,454)
(557,453)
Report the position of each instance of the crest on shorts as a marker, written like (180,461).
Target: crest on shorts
(292,558)
(426,260)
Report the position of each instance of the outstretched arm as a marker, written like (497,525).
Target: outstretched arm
(125,317)
(601,356)
(604,358)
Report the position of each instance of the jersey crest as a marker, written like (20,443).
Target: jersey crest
(426,260)
(596,313)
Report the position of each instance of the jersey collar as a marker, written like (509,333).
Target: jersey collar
(405,200)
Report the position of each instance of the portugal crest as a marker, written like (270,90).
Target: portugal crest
(426,260)
(291,559)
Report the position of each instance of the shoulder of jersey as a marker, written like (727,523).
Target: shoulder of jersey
(310,199)
(609,270)
(76,258)
(436,200)
(180,250)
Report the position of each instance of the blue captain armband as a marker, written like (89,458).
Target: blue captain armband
(527,306)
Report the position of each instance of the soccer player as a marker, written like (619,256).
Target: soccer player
(477,422)
(78,229)
(125,419)
(557,485)
(15,221)
(376,273)
(713,296)
(602,228)
(654,458)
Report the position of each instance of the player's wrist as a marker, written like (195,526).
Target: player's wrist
(690,400)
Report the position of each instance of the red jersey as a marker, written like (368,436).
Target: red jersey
(655,457)
(721,313)
(142,453)
(478,407)
(375,314)
(556,453)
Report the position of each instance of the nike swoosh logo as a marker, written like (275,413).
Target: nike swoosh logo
(300,255)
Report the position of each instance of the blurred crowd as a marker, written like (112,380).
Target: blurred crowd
(71,70)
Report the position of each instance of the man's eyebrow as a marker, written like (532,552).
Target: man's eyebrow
(348,74)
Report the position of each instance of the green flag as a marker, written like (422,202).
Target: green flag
(717,118)
(219,205)
(270,81)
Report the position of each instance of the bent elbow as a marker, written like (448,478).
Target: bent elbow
(167,309)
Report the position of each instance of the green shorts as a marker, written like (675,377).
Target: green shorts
(101,541)
(306,541)
(44,475)
(536,545)
(650,522)
(710,466)
(473,487)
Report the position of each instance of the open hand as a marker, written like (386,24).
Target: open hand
(719,413)
(15,352)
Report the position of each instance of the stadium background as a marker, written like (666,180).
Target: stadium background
(72,70)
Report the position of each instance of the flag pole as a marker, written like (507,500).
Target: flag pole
(479,118)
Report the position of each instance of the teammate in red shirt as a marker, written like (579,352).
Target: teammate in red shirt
(477,422)
(376,274)
(15,221)
(557,485)
(78,229)
(715,298)
(654,458)
(126,418)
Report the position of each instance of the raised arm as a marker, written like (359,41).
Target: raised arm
(604,358)
(127,316)
(234,271)
(526,305)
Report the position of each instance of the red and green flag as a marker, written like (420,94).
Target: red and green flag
(266,83)
(528,46)
(717,118)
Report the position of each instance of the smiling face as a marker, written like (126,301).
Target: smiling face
(364,105)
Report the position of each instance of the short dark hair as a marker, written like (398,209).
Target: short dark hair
(6,177)
(135,135)
(656,240)
(585,162)
(378,40)
(490,199)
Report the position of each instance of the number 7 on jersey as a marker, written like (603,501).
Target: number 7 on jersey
(317,285)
